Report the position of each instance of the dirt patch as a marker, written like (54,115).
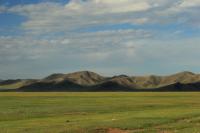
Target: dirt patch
(116,130)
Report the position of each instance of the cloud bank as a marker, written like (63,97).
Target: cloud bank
(115,33)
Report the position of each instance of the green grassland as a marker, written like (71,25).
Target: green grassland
(97,112)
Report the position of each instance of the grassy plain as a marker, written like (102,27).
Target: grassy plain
(120,112)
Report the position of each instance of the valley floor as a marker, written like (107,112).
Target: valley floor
(120,112)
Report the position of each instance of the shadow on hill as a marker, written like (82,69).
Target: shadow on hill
(86,81)
(11,81)
(179,87)
(106,87)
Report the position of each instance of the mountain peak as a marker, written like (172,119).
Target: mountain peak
(85,77)
(54,76)
(83,73)
(185,73)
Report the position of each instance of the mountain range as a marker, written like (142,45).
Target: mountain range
(90,81)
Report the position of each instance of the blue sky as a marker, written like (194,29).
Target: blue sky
(110,37)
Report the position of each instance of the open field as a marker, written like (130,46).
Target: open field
(99,112)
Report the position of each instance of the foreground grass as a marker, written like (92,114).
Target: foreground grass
(94,112)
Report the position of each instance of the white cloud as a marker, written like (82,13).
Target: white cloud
(107,6)
(19,48)
(57,32)
(65,41)
(190,3)
(45,18)
(91,46)
(121,6)
(60,23)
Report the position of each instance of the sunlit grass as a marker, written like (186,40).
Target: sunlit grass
(86,112)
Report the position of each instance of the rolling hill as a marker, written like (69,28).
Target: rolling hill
(90,81)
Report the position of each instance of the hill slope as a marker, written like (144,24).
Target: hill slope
(90,81)
(85,78)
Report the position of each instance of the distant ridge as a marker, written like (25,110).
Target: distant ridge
(86,78)
(12,81)
(90,81)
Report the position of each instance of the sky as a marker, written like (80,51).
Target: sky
(110,37)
